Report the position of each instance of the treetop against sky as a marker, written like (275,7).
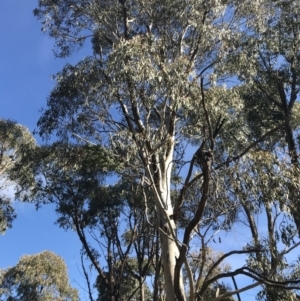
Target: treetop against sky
(195,157)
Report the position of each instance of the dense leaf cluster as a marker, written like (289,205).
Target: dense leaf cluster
(39,277)
(180,127)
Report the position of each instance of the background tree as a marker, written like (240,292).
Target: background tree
(39,277)
(110,221)
(15,140)
(269,70)
(150,96)
(202,268)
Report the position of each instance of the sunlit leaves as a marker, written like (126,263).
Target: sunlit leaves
(212,85)
(41,277)
(15,142)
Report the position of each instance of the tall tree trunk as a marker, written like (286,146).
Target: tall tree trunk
(169,252)
(161,176)
(142,289)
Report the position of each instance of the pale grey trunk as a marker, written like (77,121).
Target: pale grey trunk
(165,210)
(169,252)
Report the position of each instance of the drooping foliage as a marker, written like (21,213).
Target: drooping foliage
(72,177)
(15,141)
(193,107)
(39,277)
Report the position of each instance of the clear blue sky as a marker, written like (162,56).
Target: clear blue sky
(26,66)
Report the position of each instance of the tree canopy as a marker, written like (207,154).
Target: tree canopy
(15,142)
(193,107)
(39,277)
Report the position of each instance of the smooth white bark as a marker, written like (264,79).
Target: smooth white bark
(161,178)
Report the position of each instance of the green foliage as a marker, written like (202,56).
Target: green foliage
(72,176)
(39,277)
(15,142)
(193,156)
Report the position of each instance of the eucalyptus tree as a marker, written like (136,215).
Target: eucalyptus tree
(15,140)
(38,277)
(270,73)
(109,219)
(149,95)
(268,69)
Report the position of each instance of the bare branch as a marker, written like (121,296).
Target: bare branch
(86,276)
